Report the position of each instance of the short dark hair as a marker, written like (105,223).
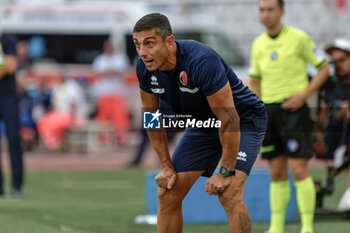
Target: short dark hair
(281,3)
(155,21)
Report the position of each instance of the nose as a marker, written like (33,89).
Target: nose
(264,15)
(142,51)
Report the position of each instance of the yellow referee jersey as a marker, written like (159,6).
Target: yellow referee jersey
(280,63)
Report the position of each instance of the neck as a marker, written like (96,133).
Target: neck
(171,62)
(344,79)
(273,31)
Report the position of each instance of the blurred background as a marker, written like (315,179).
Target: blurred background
(62,79)
(61,38)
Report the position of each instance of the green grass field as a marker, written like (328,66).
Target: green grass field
(107,202)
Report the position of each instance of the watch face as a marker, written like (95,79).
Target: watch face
(224,171)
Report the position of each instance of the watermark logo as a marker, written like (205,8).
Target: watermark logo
(157,120)
(151,120)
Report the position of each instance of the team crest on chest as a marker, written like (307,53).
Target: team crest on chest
(183,78)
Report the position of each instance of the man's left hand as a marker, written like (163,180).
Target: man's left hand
(217,184)
(293,103)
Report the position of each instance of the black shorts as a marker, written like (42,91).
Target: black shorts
(288,133)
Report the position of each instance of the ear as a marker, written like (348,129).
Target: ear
(170,40)
(282,12)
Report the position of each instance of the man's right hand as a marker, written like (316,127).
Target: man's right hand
(166,178)
(293,103)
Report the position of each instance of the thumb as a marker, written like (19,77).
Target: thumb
(172,181)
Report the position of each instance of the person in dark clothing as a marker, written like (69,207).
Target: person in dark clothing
(9,112)
(199,85)
(335,97)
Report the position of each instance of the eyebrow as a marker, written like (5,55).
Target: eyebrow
(147,38)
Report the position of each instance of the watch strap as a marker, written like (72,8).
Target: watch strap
(227,172)
(232,173)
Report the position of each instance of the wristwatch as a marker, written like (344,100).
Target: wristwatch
(224,171)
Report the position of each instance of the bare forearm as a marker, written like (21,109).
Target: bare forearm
(254,86)
(317,81)
(230,140)
(159,142)
(157,137)
(222,105)
(230,145)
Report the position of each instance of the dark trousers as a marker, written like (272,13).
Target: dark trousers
(9,113)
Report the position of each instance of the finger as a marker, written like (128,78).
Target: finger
(207,187)
(157,180)
(163,185)
(211,189)
(291,108)
(161,182)
(172,181)
(284,106)
(288,107)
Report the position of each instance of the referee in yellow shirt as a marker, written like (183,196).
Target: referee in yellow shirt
(278,75)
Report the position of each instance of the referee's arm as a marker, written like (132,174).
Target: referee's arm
(297,100)
(254,85)
(318,80)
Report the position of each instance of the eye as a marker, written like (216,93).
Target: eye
(137,45)
(149,43)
